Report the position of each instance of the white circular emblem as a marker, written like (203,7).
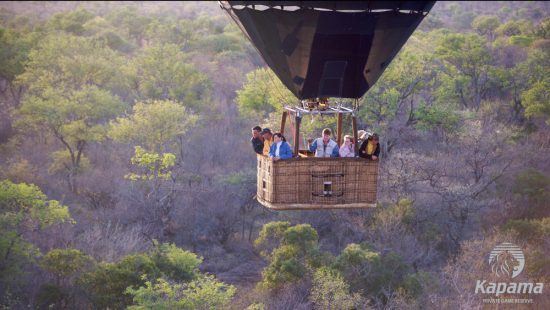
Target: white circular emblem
(507,259)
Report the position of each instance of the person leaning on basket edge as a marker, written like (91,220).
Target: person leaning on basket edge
(324,146)
(370,148)
(268,139)
(280,149)
(257,140)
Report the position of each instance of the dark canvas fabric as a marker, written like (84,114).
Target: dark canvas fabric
(319,53)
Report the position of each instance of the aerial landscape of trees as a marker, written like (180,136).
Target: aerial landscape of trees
(127,179)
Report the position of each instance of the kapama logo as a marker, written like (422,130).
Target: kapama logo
(507,260)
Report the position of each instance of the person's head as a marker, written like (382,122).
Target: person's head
(326,134)
(348,139)
(362,135)
(374,138)
(256,131)
(278,137)
(266,133)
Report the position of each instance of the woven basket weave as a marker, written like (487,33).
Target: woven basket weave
(312,183)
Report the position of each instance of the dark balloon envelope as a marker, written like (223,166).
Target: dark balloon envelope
(328,48)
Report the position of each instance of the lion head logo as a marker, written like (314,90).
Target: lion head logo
(506,259)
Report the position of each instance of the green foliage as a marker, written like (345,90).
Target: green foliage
(72,22)
(270,237)
(468,65)
(176,263)
(543,29)
(61,160)
(14,50)
(111,284)
(153,124)
(521,40)
(369,271)
(163,72)
(107,284)
(64,262)
(152,166)
(330,291)
(485,24)
(69,81)
(414,284)
(23,207)
(533,185)
(203,293)
(437,115)
(511,28)
(535,230)
(132,24)
(64,63)
(262,93)
(20,203)
(295,252)
(50,296)
(536,100)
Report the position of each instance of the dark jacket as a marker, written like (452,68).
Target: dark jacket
(363,150)
(257,145)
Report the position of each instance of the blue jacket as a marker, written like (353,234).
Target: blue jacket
(284,150)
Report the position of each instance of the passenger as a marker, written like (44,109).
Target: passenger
(325,146)
(268,139)
(348,148)
(257,140)
(370,148)
(280,149)
(361,136)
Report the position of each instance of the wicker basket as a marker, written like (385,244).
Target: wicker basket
(317,183)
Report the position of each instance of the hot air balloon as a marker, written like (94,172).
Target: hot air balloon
(322,49)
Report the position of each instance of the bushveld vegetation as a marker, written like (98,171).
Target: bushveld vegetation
(127,179)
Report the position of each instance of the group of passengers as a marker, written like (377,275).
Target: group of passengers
(275,146)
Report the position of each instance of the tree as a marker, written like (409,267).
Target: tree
(155,127)
(468,64)
(296,253)
(68,81)
(108,284)
(72,22)
(485,25)
(262,93)
(374,274)
(536,100)
(203,293)
(163,72)
(64,265)
(176,263)
(330,291)
(23,208)
(153,124)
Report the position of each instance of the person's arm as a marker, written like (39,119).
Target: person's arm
(285,152)
(377,151)
(267,148)
(272,149)
(343,151)
(362,149)
(335,152)
(313,147)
